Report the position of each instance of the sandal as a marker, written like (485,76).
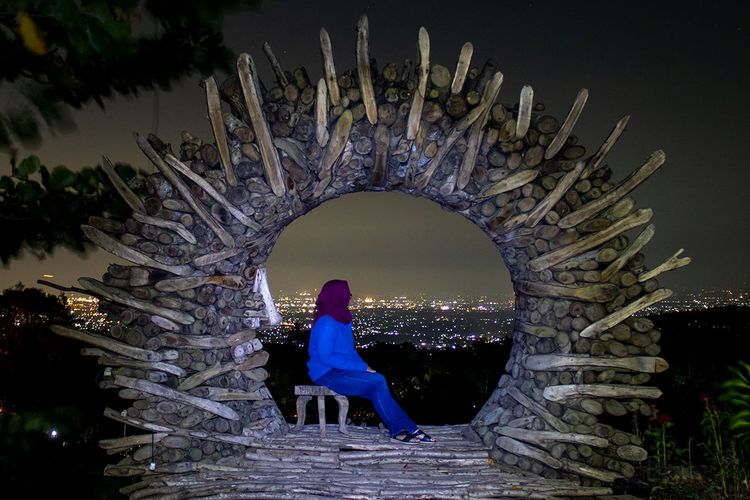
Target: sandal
(422,437)
(406,437)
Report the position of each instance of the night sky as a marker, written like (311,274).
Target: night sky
(678,68)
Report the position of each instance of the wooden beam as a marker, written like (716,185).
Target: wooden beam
(549,259)
(598,158)
(329,68)
(114,247)
(567,126)
(363,70)
(107,343)
(171,394)
(549,201)
(594,329)
(133,201)
(462,67)
(339,137)
(476,133)
(595,206)
(671,263)
(557,362)
(628,253)
(268,152)
(415,112)
(217,125)
(122,297)
(184,191)
(525,104)
(590,293)
(321,114)
(562,393)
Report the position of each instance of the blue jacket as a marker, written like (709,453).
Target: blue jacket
(332,346)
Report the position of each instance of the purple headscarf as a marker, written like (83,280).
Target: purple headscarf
(333,300)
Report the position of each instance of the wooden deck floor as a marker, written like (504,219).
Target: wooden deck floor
(365,465)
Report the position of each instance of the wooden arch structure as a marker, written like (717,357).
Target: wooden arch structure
(184,352)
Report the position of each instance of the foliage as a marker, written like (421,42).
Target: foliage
(41,209)
(59,54)
(736,394)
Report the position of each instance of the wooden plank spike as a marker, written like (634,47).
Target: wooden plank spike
(567,126)
(363,70)
(339,137)
(674,262)
(628,253)
(655,161)
(217,125)
(268,152)
(321,114)
(491,92)
(185,192)
(525,104)
(607,322)
(462,68)
(280,76)
(558,255)
(415,113)
(598,158)
(329,68)
(121,186)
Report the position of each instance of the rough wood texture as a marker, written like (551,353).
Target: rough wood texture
(125,192)
(566,392)
(644,171)
(116,248)
(321,114)
(363,70)
(122,297)
(551,258)
(477,131)
(171,394)
(567,126)
(260,126)
(462,68)
(339,137)
(620,315)
(329,68)
(645,364)
(108,344)
(174,179)
(415,112)
(217,125)
(525,104)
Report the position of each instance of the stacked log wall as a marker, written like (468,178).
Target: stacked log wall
(197,292)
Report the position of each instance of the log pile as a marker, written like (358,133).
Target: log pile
(184,354)
(364,465)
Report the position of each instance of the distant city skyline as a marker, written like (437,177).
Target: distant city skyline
(651,61)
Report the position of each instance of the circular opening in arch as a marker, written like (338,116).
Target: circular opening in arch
(420,276)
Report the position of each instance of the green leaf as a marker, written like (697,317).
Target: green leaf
(61,177)
(29,191)
(28,166)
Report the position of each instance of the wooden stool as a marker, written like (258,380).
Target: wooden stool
(306,392)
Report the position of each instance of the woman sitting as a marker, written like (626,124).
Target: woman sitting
(334,363)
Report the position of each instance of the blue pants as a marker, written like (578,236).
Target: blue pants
(374,387)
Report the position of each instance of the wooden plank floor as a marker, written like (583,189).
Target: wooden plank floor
(365,465)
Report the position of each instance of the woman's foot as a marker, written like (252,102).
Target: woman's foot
(414,437)
(406,437)
(422,437)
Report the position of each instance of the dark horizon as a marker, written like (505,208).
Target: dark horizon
(651,61)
